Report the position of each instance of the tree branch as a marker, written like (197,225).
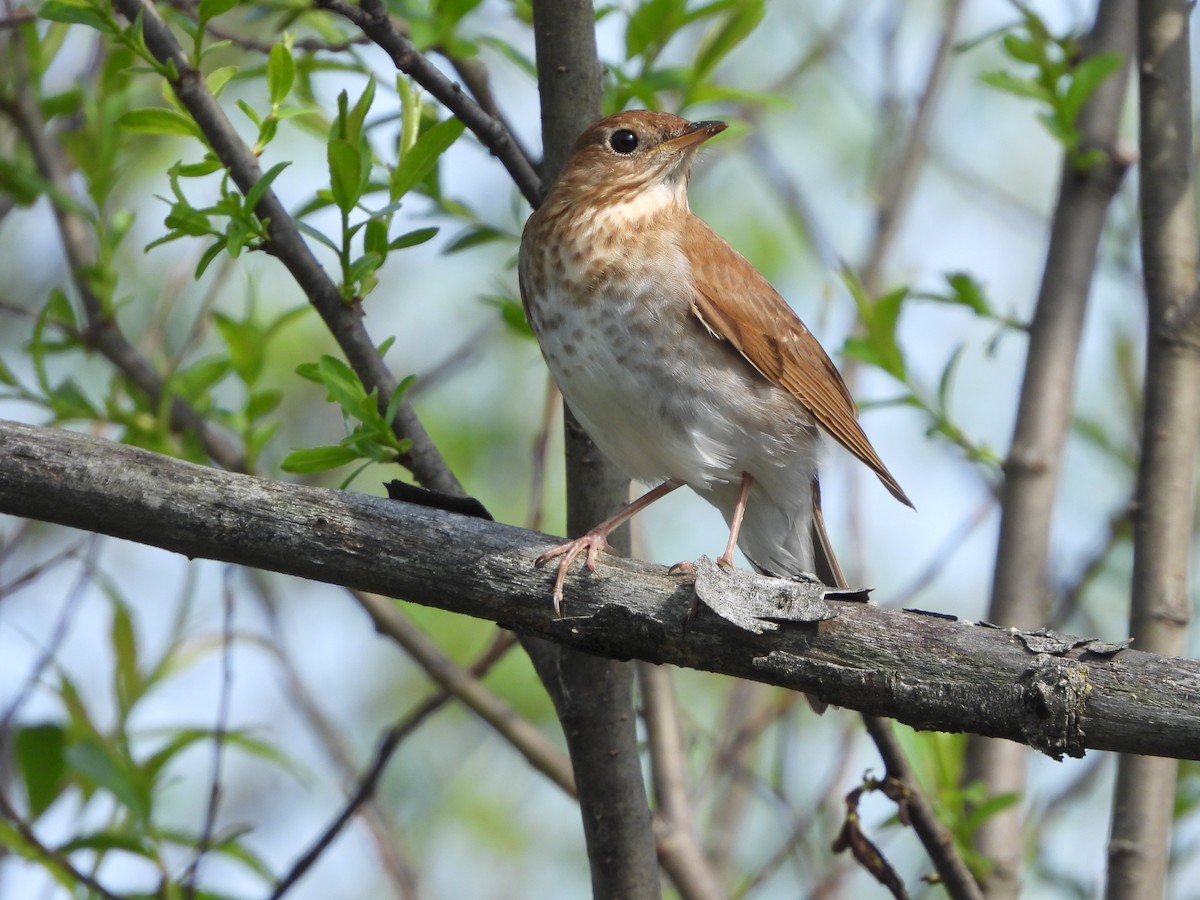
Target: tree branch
(593,697)
(675,820)
(102,332)
(288,246)
(371,16)
(1060,695)
(1044,416)
(1164,508)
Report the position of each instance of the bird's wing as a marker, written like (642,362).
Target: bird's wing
(738,305)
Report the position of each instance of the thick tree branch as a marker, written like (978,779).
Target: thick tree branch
(593,697)
(1044,416)
(1056,694)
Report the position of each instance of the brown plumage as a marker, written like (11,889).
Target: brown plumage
(680,360)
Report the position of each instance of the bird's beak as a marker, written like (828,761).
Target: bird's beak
(695,133)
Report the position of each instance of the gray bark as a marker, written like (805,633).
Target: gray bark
(1060,695)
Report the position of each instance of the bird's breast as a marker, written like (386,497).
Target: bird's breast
(613,314)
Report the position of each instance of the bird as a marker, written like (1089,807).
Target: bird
(679,359)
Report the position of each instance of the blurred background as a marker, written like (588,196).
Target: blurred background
(821,94)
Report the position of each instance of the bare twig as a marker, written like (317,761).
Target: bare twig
(370,778)
(945,551)
(917,811)
(738,732)
(899,177)
(466,687)
(1043,419)
(864,850)
(541,447)
(220,729)
(679,849)
(57,859)
(87,574)
(1164,517)
(388,844)
(937,840)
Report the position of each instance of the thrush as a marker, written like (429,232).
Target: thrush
(676,355)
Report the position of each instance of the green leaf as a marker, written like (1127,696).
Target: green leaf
(75,13)
(652,25)
(210,9)
(1021,87)
(41,759)
(125,652)
(20,182)
(375,238)
(156,120)
(249,112)
(513,314)
(735,28)
(262,402)
(397,399)
(218,78)
(109,840)
(423,156)
(473,237)
(6,375)
(101,766)
(68,401)
(968,292)
(317,459)
(946,382)
(245,342)
(358,115)
(345,173)
(1023,50)
(281,73)
(197,170)
(413,238)
(318,236)
(214,250)
(1085,78)
(343,386)
(194,381)
(365,266)
(259,188)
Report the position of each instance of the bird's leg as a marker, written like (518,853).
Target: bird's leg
(735,521)
(597,539)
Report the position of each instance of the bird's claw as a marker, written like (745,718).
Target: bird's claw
(590,545)
(682,567)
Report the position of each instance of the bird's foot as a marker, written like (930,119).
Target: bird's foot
(589,544)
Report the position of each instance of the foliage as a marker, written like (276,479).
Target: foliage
(174,324)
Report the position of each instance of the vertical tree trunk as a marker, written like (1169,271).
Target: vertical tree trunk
(1043,418)
(593,696)
(1143,805)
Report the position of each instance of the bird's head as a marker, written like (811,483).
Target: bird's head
(632,155)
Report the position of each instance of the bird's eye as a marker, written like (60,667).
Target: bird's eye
(623,141)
